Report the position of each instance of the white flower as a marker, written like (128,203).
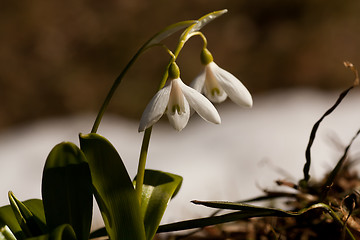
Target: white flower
(175,100)
(217,84)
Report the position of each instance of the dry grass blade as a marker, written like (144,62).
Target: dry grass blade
(306,170)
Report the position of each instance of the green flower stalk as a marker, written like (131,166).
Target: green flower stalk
(186,97)
(186,35)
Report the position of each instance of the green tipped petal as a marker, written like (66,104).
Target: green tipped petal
(200,104)
(155,109)
(236,91)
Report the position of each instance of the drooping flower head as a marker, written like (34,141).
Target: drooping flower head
(217,84)
(175,99)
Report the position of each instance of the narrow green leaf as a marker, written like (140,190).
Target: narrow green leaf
(6,233)
(29,223)
(8,218)
(113,189)
(201,22)
(159,187)
(246,211)
(67,189)
(36,207)
(208,221)
(244,207)
(166,32)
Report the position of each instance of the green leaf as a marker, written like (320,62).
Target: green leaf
(166,32)
(30,224)
(201,22)
(246,211)
(62,232)
(159,187)
(8,218)
(245,207)
(192,26)
(113,189)
(67,189)
(36,207)
(6,233)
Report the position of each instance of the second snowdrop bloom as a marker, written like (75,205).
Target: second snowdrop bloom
(217,84)
(176,99)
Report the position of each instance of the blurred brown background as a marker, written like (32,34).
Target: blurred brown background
(61,57)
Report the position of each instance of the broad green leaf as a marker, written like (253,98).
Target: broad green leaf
(30,224)
(159,187)
(113,189)
(246,211)
(62,232)
(67,189)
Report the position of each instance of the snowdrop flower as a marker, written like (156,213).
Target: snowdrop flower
(217,84)
(175,99)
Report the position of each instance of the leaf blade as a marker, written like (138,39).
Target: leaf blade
(6,233)
(159,187)
(30,224)
(113,189)
(244,211)
(166,32)
(61,232)
(66,189)
(201,22)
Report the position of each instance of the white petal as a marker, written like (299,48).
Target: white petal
(198,85)
(236,91)
(199,81)
(176,100)
(200,103)
(212,89)
(179,121)
(216,98)
(155,109)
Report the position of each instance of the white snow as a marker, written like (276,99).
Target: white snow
(218,162)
